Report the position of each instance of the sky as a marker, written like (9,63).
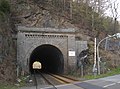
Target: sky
(117,5)
(108,12)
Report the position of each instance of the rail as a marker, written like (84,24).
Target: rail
(48,81)
(64,79)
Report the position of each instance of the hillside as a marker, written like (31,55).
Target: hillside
(45,13)
(31,13)
(7,45)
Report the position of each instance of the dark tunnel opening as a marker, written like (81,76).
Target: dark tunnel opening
(50,57)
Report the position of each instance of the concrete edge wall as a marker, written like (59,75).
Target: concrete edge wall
(32,29)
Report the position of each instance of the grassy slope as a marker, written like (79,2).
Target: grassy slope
(110,73)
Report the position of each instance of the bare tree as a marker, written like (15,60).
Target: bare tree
(114,10)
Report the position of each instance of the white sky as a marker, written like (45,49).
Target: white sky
(108,12)
(117,5)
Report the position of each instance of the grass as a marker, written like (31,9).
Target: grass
(110,73)
(3,86)
(12,86)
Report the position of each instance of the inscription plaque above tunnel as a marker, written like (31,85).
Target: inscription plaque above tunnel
(51,47)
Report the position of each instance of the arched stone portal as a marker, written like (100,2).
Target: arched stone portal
(55,48)
(50,57)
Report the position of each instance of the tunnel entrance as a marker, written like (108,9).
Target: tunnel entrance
(50,57)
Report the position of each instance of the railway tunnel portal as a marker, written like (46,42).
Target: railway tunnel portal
(50,57)
(53,48)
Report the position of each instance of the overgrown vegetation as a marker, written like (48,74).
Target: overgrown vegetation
(7,46)
(81,14)
(85,17)
(4,9)
(4,6)
(3,86)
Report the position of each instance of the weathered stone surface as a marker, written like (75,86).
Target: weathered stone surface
(30,13)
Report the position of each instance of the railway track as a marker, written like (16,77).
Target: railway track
(42,77)
(63,79)
(51,79)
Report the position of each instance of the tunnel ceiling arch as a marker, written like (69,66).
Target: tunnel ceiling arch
(50,57)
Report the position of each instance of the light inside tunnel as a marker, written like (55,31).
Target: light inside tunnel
(50,57)
(37,65)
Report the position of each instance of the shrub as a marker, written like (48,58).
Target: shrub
(4,6)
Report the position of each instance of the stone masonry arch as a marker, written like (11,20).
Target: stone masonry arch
(49,56)
(32,47)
